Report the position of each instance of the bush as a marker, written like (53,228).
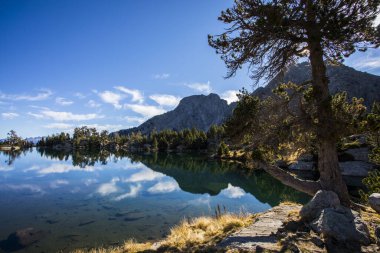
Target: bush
(372,182)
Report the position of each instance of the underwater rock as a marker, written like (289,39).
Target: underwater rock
(22,238)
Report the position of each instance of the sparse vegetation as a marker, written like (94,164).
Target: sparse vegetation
(189,236)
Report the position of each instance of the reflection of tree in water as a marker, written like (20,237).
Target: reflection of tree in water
(194,173)
(12,155)
(197,174)
(81,158)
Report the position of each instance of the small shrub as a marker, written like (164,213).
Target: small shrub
(372,182)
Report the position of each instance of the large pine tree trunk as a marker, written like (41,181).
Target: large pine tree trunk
(328,164)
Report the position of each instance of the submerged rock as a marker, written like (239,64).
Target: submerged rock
(342,224)
(321,200)
(21,239)
(374,201)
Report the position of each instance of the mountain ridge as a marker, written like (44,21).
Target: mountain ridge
(201,111)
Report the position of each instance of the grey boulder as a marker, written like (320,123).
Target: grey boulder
(343,225)
(374,201)
(321,200)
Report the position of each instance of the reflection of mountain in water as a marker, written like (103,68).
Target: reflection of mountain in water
(197,174)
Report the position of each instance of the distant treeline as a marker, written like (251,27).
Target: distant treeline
(91,139)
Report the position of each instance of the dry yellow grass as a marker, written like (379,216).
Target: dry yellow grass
(187,236)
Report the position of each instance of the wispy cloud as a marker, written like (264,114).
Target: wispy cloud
(165,100)
(80,95)
(111,98)
(230,96)
(93,104)
(63,101)
(147,111)
(69,116)
(58,126)
(42,95)
(9,115)
(136,95)
(161,76)
(132,119)
(200,87)
(36,115)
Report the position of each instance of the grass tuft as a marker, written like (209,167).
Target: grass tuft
(189,235)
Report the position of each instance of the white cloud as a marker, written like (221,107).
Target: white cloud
(63,101)
(368,63)
(164,187)
(108,188)
(58,126)
(162,76)
(230,96)
(233,192)
(200,87)
(79,95)
(131,119)
(68,116)
(134,191)
(92,104)
(44,94)
(144,175)
(137,95)
(58,183)
(107,127)
(9,115)
(165,100)
(111,98)
(147,111)
(36,115)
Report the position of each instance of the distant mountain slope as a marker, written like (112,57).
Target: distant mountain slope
(342,78)
(198,111)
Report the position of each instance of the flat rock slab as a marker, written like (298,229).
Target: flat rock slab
(262,233)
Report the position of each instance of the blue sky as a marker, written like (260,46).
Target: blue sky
(110,64)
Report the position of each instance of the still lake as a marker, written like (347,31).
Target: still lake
(86,200)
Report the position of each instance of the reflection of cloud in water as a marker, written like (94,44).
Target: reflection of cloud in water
(24,187)
(90,181)
(108,188)
(144,175)
(6,168)
(32,168)
(129,165)
(164,187)
(233,192)
(134,191)
(203,200)
(58,183)
(61,168)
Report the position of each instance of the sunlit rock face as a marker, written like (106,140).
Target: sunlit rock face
(198,111)
(341,78)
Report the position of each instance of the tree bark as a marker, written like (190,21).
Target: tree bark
(328,164)
(307,186)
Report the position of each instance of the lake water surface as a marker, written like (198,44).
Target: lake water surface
(89,200)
